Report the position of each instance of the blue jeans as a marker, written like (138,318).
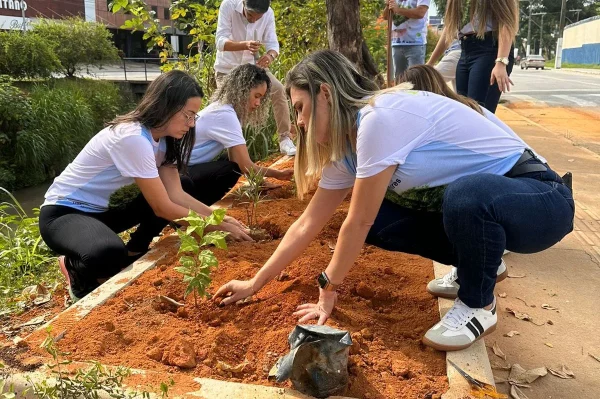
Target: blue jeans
(475,68)
(407,56)
(482,215)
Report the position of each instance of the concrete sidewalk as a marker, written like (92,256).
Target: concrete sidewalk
(566,276)
(588,71)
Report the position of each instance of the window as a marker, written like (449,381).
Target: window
(155,10)
(167,13)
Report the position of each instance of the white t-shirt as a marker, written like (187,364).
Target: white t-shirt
(432,139)
(409,31)
(109,161)
(217,128)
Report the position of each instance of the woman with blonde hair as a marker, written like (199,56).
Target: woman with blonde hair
(387,146)
(486,30)
(241,100)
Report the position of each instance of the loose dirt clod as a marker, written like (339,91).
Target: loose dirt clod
(363,290)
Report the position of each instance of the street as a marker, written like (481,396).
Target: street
(553,88)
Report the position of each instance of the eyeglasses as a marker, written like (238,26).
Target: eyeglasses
(190,118)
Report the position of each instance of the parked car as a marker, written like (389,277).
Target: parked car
(533,61)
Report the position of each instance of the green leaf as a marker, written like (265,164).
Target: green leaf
(216,217)
(187,262)
(216,238)
(182,270)
(207,258)
(188,244)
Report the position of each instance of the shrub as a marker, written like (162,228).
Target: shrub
(432,40)
(78,43)
(27,55)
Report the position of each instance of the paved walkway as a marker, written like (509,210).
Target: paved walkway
(566,276)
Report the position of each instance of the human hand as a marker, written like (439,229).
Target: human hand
(234,291)
(265,61)
(500,76)
(236,233)
(252,45)
(320,310)
(393,6)
(235,222)
(285,174)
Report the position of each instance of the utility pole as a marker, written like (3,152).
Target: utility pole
(541,30)
(23,6)
(529,31)
(558,59)
(577,11)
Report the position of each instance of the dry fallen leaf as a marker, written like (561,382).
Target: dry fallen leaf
(594,356)
(518,375)
(516,275)
(511,334)
(38,293)
(232,369)
(522,316)
(562,371)
(502,295)
(33,322)
(498,366)
(516,393)
(548,344)
(498,352)
(548,307)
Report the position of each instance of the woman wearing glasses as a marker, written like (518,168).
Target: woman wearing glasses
(128,174)
(241,100)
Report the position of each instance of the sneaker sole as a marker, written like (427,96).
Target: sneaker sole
(501,277)
(451,348)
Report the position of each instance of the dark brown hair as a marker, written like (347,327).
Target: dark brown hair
(165,97)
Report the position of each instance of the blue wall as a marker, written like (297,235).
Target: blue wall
(586,54)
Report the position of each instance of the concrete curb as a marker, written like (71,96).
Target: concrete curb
(474,360)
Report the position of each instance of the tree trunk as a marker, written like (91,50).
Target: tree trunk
(344,34)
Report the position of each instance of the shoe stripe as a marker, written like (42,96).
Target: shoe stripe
(477,325)
(473,329)
(494,310)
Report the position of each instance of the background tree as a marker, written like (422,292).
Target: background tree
(78,43)
(27,55)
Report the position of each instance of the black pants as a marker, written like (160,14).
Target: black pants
(475,68)
(90,243)
(209,182)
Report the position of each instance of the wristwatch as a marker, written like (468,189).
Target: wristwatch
(325,284)
(503,60)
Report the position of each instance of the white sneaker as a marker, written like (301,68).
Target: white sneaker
(460,327)
(287,147)
(447,287)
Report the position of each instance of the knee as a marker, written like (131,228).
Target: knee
(187,184)
(232,172)
(107,256)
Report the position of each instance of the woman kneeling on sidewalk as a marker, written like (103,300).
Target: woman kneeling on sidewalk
(431,177)
(242,99)
(125,175)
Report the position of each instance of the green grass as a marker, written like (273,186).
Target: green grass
(550,64)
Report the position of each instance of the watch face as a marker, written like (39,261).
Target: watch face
(322,280)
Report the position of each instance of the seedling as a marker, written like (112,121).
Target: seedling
(251,194)
(196,265)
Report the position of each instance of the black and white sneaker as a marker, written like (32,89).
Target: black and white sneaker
(447,286)
(460,327)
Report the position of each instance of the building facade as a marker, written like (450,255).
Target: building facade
(16,14)
(581,42)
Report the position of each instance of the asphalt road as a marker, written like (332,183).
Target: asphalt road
(555,88)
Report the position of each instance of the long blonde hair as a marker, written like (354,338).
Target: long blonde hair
(427,78)
(503,13)
(348,92)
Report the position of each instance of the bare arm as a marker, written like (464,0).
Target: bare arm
(239,154)
(499,73)
(366,200)
(296,240)
(440,47)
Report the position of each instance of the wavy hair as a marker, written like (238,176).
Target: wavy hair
(165,97)
(503,14)
(349,93)
(235,91)
(427,78)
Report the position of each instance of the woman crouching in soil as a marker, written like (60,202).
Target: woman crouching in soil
(242,99)
(431,177)
(125,175)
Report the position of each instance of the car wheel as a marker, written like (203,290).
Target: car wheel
(527,68)
(537,69)
(542,68)
(522,67)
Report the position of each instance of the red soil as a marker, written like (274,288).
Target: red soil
(387,314)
